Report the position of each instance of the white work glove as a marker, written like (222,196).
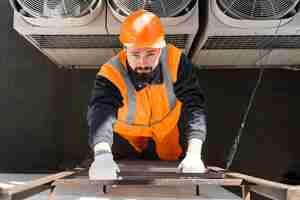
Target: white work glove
(104,167)
(192,163)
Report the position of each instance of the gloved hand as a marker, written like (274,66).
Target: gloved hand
(192,163)
(104,167)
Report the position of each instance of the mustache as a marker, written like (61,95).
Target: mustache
(145,69)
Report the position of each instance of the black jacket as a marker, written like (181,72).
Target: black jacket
(106,99)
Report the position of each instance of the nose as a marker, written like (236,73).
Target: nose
(142,62)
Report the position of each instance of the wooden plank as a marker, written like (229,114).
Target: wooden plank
(163,174)
(252,179)
(33,187)
(177,192)
(148,181)
(24,194)
(266,188)
(270,192)
(156,175)
(258,181)
(136,192)
(148,166)
(217,169)
(157,168)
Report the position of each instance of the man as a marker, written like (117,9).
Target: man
(146,102)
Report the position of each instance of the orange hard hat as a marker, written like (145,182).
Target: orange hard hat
(142,29)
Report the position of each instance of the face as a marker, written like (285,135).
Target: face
(143,60)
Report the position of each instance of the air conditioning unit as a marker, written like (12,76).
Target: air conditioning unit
(244,33)
(90,44)
(57,13)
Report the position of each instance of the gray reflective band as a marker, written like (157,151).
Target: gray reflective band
(130,89)
(167,79)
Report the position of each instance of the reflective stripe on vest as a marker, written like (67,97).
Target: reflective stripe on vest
(130,89)
(167,79)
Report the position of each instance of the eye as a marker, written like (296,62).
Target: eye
(135,56)
(151,55)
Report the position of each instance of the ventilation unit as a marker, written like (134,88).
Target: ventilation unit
(57,13)
(93,43)
(249,33)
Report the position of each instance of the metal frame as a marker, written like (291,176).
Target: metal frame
(141,174)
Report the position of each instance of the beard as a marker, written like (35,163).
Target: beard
(143,74)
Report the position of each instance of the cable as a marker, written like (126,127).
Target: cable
(234,147)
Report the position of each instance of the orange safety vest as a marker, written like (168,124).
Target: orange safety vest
(152,112)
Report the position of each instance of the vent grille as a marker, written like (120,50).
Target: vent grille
(94,41)
(56,8)
(162,8)
(258,9)
(253,42)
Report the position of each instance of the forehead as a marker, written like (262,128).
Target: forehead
(143,50)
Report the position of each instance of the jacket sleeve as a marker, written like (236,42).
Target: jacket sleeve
(102,111)
(189,92)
